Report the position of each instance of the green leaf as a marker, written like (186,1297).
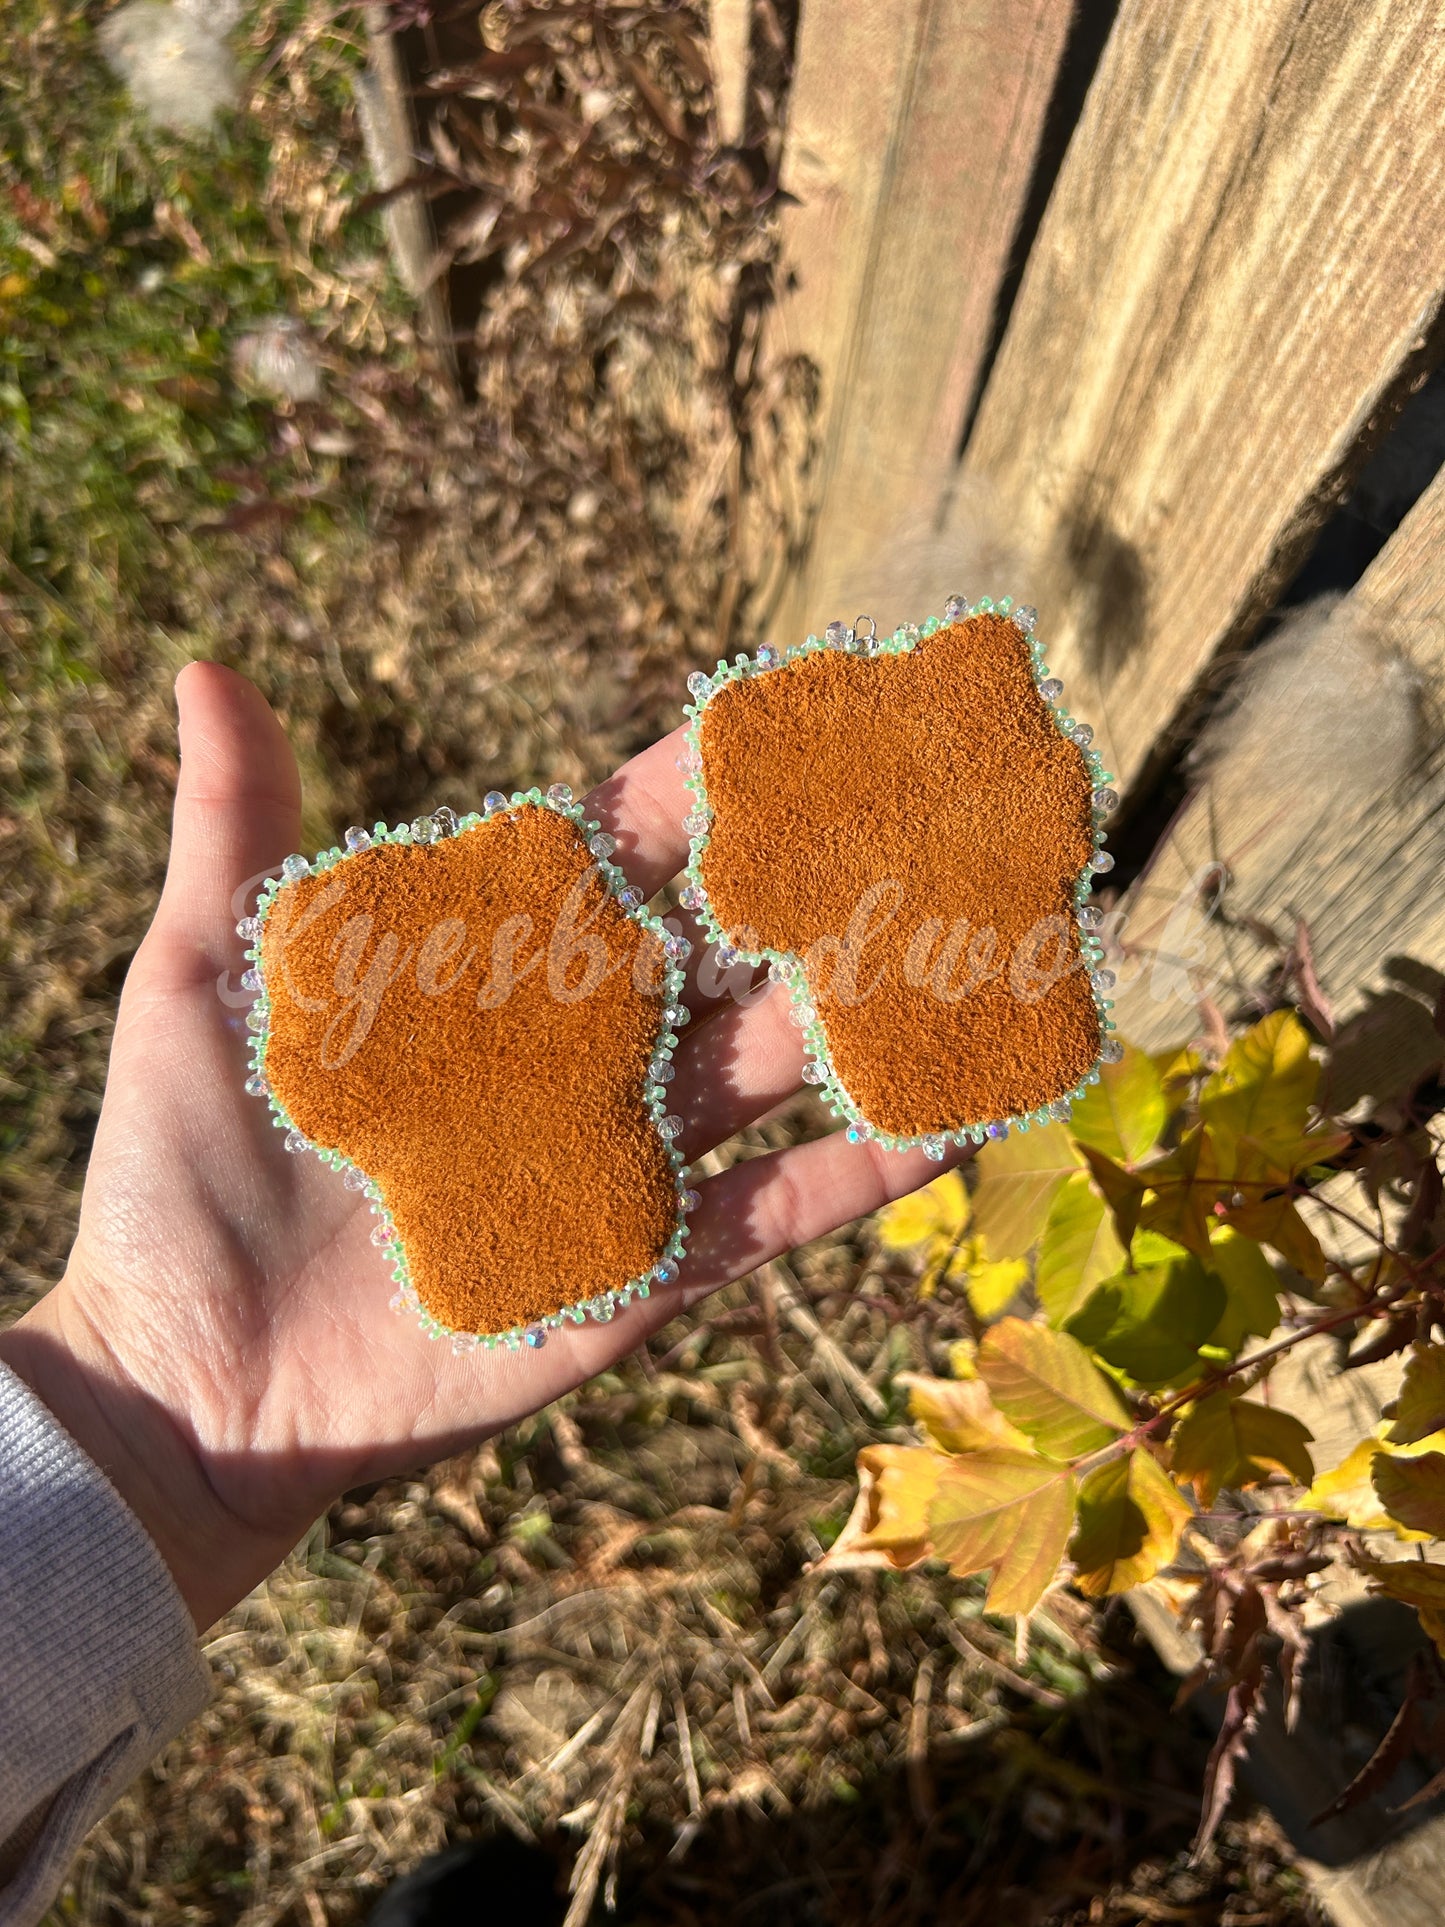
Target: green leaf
(1420,1407)
(1131,1516)
(1123,1114)
(1412,1490)
(1079,1248)
(1017,1179)
(1186,1187)
(1009,1511)
(1264,1088)
(1050,1388)
(1123,1190)
(959,1415)
(1226,1442)
(1251,1291)
(1151,1322)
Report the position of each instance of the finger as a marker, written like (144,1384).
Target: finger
(642,805)
(237,816)
(735,1070)
(758,1209)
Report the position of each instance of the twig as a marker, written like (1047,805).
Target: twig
(836,1362)
(684,1747)
(1040,1695)
(920,1781)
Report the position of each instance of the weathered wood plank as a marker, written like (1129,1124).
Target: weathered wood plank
(913,131)
(1351,839)
(1240,268)
(729,30)
(388,131)
(1372,1868)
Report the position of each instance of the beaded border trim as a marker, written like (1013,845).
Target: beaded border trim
(435,828)
(785,968)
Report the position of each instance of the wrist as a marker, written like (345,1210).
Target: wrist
(145,1450)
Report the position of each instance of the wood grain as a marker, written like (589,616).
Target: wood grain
(1239,270)
(729,30)
(913,130)
(383,109)
(1359,861)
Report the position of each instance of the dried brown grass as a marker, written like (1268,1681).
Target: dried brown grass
(601,1635)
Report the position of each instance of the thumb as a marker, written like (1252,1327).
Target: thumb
(237,816)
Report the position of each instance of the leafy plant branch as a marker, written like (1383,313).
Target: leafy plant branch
(1116,1268)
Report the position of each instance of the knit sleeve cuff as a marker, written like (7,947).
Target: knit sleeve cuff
(99,1664)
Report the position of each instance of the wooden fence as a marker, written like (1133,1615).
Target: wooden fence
(1138,411)
(1121,350)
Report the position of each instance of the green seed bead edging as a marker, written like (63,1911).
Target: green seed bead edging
(786,969)
(424,831)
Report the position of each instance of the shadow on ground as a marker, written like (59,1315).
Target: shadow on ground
(1084,1816)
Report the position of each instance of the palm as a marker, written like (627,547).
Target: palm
(235,1287)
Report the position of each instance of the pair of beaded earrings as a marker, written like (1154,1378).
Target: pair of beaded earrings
(473,1020)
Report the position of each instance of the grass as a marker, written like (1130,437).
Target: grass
(598,1638)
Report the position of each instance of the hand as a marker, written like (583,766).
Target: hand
(221,1341)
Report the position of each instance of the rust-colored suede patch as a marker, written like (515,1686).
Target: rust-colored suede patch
(912,826)
(470,1022)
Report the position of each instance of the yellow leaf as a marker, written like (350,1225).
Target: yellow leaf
(1348,1493)
(889,1522)
(1256,1107)
(1225,1441)
(1017,1179)
(1417,1582)
(1079,1248)
(1411,1488)
(939,1210)
(1046,1383)
(992,1286)
(959,1415)
(963,1358)
(1008,1511)
(1131,1516)
(1176,1068)
(1420,1408)
(1264,1088)
(1261,1165)
(1123,1114)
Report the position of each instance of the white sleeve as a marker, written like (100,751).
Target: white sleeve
(99,1664)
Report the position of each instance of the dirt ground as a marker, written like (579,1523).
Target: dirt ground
(595,1646)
